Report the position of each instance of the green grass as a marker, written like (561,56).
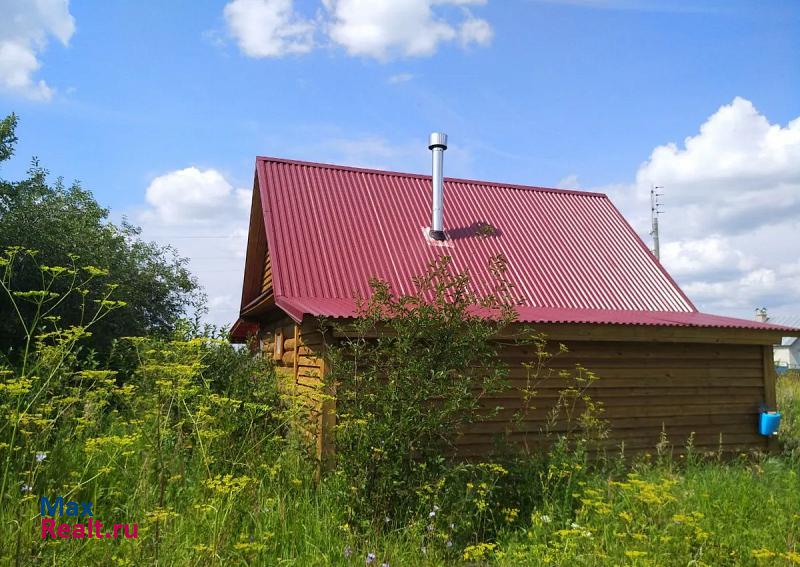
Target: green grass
(789,404)
(705,514)
(217,485)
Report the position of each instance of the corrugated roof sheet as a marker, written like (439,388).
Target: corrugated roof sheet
(571,255)
(785,320)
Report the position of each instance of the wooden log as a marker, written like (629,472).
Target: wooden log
(665,372)
(630,438)
(512,407)
(662,383)
(309,371)
(310,381)
(628,400)
(690,422)
(313,361)
(277,353)
(600,364)
(645,390)
(620,351)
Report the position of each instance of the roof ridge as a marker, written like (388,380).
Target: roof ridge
(389,172)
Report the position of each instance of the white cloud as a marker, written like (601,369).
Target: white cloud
(191,195)
(737,172)
(399,78)
(713,256)
(201,214)
(742,295)
(475,30)
(25,27)
(382,29)
(268,28)
(379,29)
(570,181)
(731,222)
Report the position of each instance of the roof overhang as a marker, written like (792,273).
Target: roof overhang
(242,331)
(620,333)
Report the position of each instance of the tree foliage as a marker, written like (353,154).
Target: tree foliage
(63,223)
(403,397)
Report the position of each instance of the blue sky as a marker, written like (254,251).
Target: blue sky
(577,93)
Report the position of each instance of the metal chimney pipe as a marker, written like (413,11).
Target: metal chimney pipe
(437,143)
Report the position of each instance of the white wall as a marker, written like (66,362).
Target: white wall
(788,356)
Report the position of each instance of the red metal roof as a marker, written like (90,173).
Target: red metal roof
(571,255)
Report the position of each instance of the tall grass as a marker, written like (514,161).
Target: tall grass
(788,394)
(188,438)
(706,513)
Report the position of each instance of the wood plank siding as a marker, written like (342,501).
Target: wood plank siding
(710,391)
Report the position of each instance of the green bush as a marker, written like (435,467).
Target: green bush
(410,374)
(403,395)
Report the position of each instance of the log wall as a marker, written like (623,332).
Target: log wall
(297,351)
(712,392)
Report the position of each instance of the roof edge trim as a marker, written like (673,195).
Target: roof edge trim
(516,186)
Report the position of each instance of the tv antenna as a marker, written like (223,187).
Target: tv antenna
(655,210)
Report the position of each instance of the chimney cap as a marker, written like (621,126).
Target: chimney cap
(437,140)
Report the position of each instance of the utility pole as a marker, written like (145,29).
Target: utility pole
(655,210)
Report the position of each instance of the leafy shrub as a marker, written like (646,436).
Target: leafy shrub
(410,374)
(404,394)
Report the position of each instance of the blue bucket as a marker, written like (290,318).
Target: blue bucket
(769,423)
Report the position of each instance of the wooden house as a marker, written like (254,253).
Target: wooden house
(319,232)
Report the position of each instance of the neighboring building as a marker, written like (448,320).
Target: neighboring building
(787,350)
(319,232)
(787,353)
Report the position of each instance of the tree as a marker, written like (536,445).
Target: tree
(64,222)
(7,137)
